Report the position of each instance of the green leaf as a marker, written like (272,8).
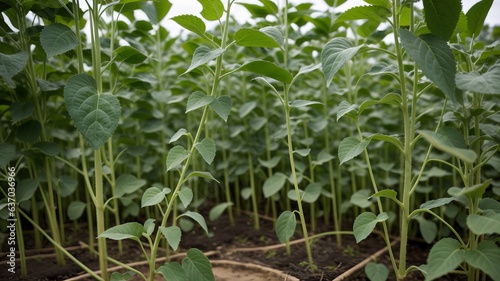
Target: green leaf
(47,148)
(271,163)
(25,189)
(388,139)
(345,108)
(186,196)
(302,152)
(198,99)
(336,53)
(390,99)
(7,154)
(75,210)
(383,3)
(149,226)
(312,192)
(205,175)
(152,196)
(269,8)
(173,271)
(196,217)
(487,83)
(351,147)
(285,226)
(474,192)
(442,16)
(246,108)
(365,223)
(197,266)
(181,132)
(29,131)
(162,8)
(117,276)
(489,204)
(303,103)
(444,141)
(130,230)
(247,37)
(434,57)
(175,156)
(274,184)
(222,106)
(476,16)
(203,55)
(212,10)
(373,13)
(431,204)
(268,69)
(274,33)
(218,210)
(57,39)
(191,23)
(484,224)
(129,55)
(444,257)
(66,185)
(361,198)
(95,115)
(173,235)
(427,228)
(207,149)
(126,184)
(21,110)
(376,271)
(11,65)
(485,258)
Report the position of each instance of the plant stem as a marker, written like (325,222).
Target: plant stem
(408,124)
(290,142)
(215,86)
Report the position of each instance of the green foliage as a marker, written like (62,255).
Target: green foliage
(247,37)
(351,147)
(173,235)
(218,210)
(442,16)
(207,149)
(376,271)
(336,53)
(365,223)
(485,257)
(191,23)
(434,57)
(155,108)
(76,209)
(96,115)
(57,39)
(274,184)
(476,16)
(446,140)
(130,230)
(197,266)
(445,256)
(12,64)
(486,83)
(285,226)
(212,9)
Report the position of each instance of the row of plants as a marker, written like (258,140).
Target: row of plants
(385,115)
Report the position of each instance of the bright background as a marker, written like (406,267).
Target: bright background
(180,7)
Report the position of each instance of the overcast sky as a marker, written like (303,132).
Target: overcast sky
(193,7)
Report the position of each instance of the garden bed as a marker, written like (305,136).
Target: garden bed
(257,252)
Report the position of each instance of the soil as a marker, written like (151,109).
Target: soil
(255,251)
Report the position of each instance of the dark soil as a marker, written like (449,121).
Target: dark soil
(225,242)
